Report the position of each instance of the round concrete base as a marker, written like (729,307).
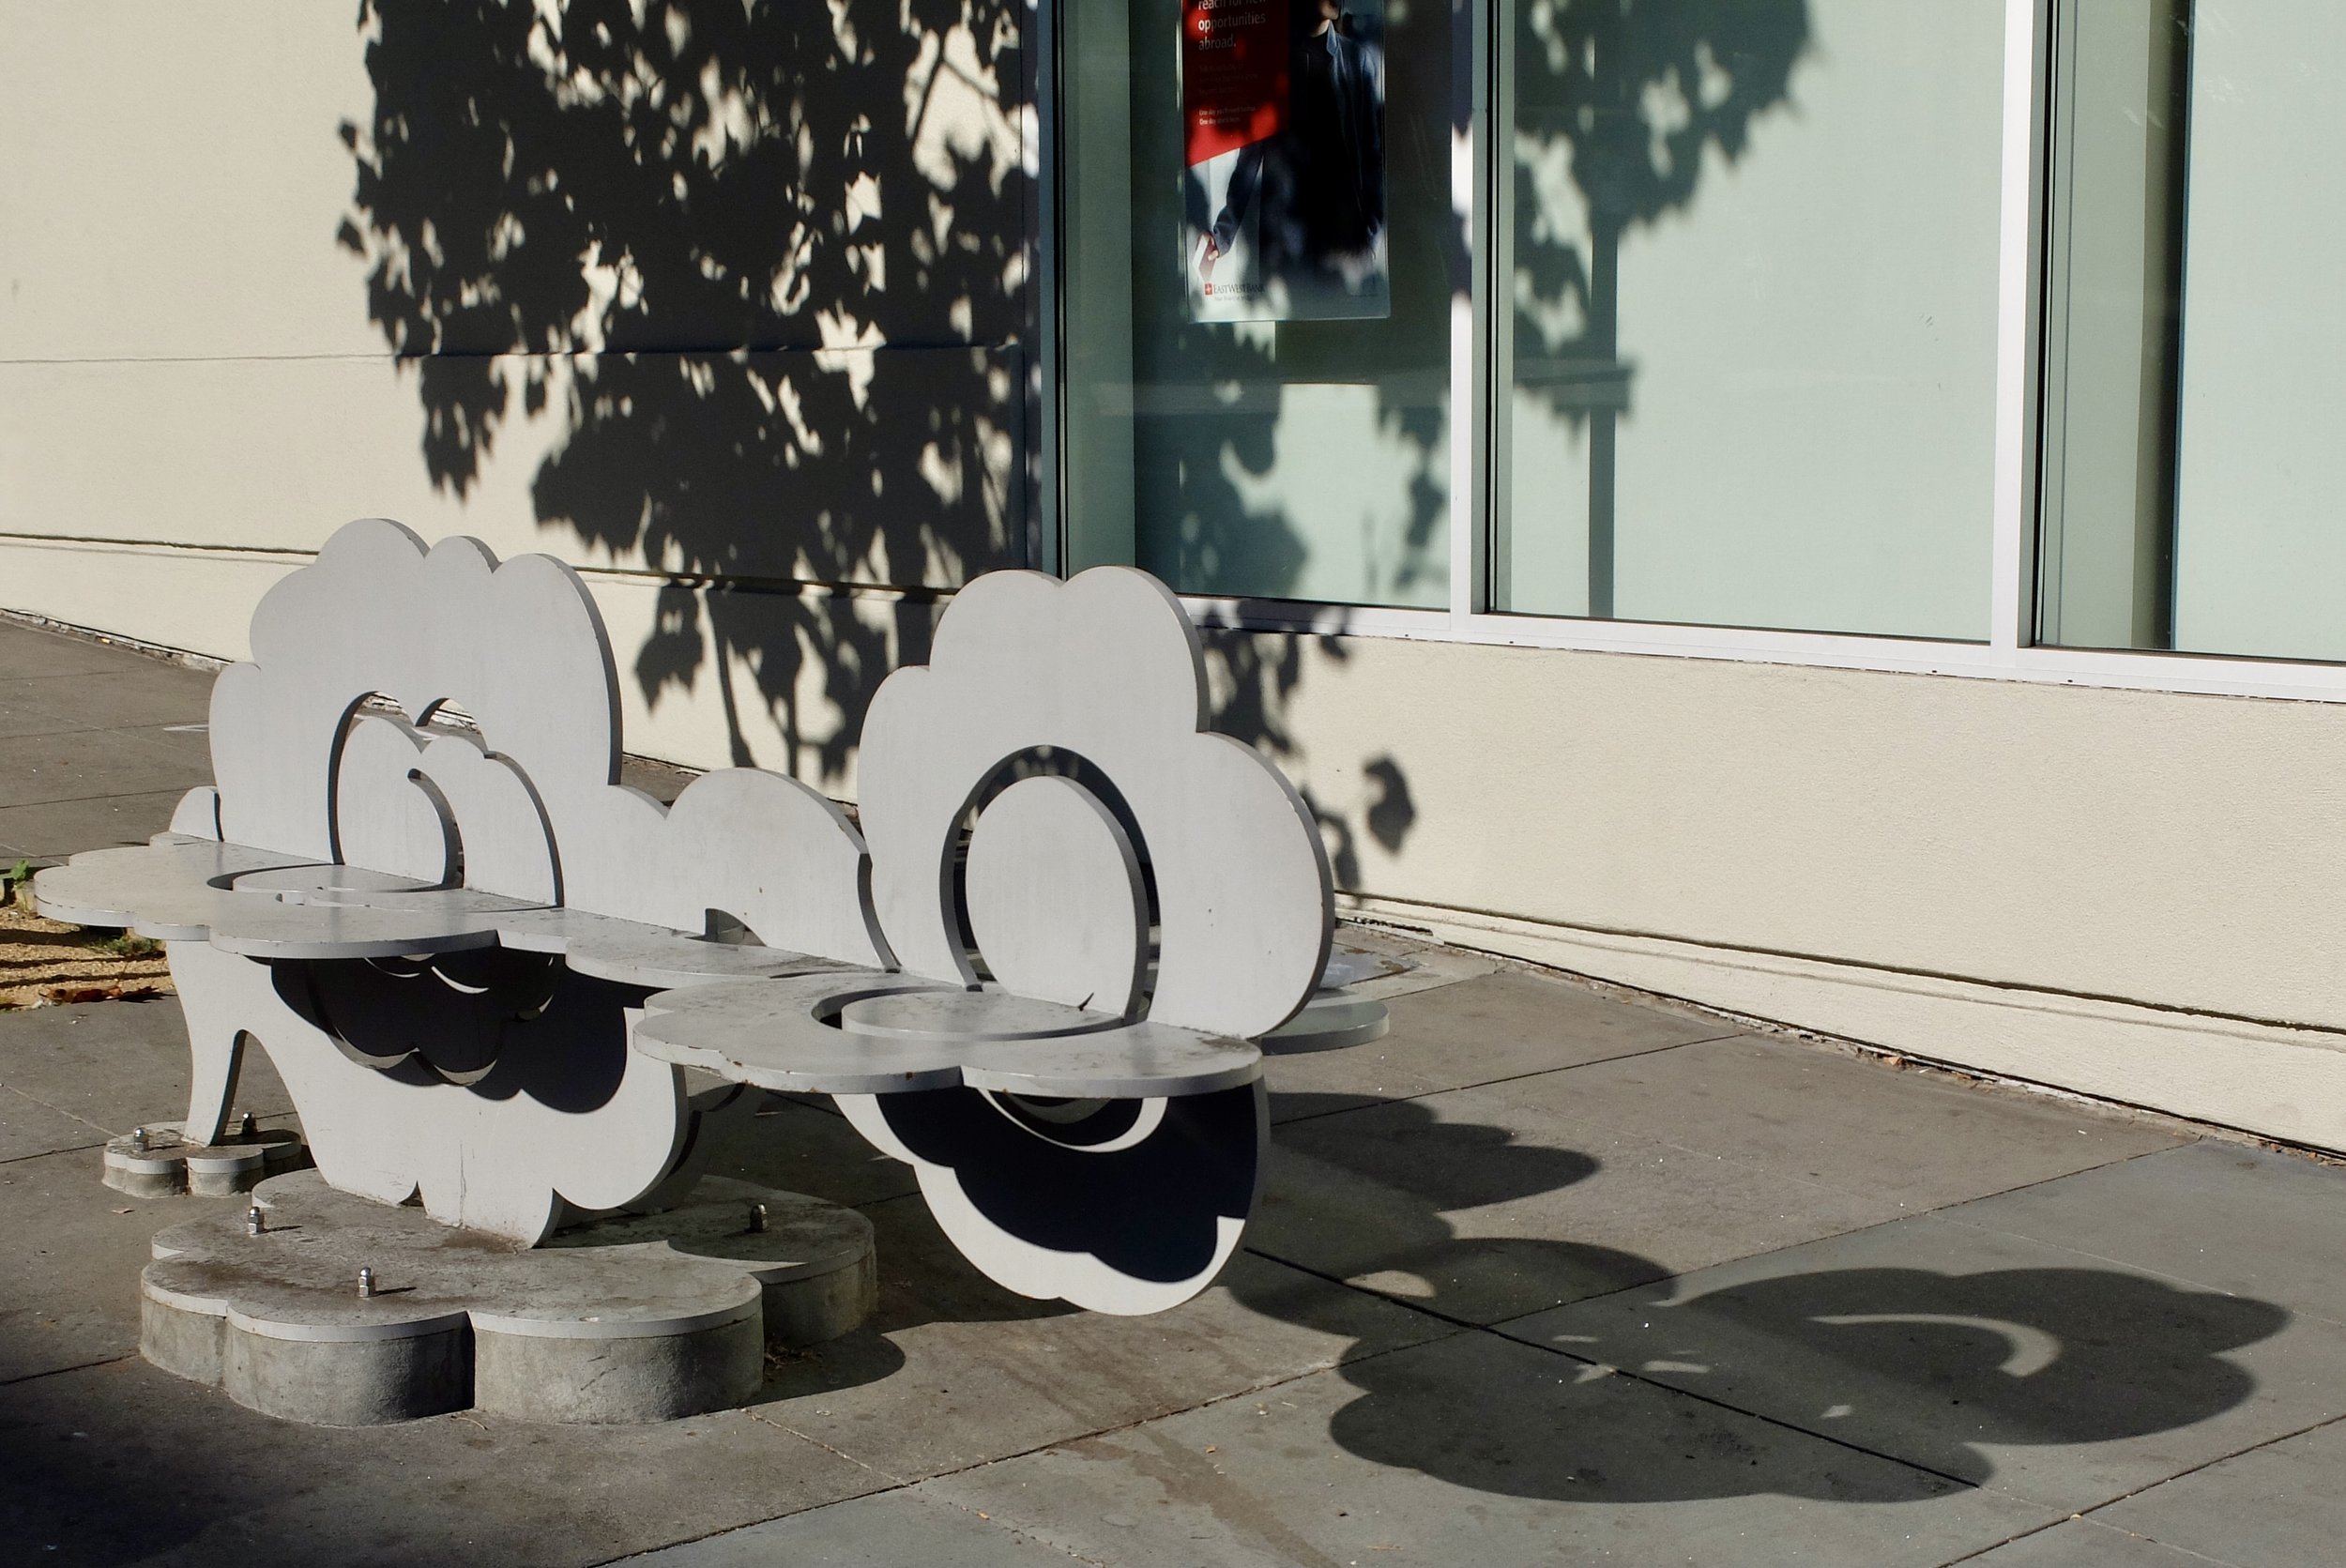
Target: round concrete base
(1329,1022)
(163,1161)
(625,1318)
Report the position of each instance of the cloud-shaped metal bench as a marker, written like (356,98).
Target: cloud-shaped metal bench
(479,961)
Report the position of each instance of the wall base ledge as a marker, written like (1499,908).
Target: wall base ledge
(2273,1081)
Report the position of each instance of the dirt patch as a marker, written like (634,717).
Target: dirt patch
(43,963)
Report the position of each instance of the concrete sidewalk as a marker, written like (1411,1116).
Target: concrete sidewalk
(1544,1276)
(97,742)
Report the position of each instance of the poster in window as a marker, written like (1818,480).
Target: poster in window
(1283,188)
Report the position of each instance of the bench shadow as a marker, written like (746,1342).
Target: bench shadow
(1936,1369)
(798,1144)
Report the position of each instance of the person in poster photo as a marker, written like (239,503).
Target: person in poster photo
(1316,188)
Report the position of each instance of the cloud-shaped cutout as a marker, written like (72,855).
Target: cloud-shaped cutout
(529,808)
(1107,666)
(574,1118)
(520,647)
(522,650)
(1130,1212)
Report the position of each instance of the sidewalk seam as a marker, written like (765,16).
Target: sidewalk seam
(1492,1083)
(61,1371)
(2086,1515)
(104,1133)
(1715,1403)
(2103,1257)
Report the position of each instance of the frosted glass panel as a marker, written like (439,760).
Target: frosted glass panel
(1748,312)
(2260,531)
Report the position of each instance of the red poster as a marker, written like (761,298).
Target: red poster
(1234,73)
(1282,178)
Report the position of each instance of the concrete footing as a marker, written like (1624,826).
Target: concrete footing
(624,1318)
(158,1160)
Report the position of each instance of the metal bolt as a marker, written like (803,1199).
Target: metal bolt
(757,1219)
(246,1126)
(253,1224)
(366,1282)
(138,1139)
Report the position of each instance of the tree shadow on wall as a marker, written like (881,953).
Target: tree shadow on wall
(766,268)
(1617,105)
(1222,445)
(765,265)
(1254,677)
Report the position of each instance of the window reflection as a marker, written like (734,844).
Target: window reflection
(1748,312)
(2194,329)
(1298,458)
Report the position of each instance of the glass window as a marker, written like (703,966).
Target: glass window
(1259,256)
(2194,329)
(1747,310)
(2113,273)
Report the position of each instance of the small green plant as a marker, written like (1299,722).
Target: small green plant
(129,946)
(16,877)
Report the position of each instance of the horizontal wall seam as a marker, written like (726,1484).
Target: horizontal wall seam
(2203,677)
(2324,1036)
(156,546)
(782,586)
(301,556)
(381,356)
(205,359)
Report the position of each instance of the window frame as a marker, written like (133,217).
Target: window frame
(2010,651)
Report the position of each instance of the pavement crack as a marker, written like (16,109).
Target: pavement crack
(60,1110)
(893,1481)
(2193,1470)
(61,1371)
(1468,1325)
(1504,1078)
(2081,1518)
(972,1510)
(45,1153)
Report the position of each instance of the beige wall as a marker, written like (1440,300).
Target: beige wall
(186,353)
(2134,896)
(2139,895)
(192,392)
